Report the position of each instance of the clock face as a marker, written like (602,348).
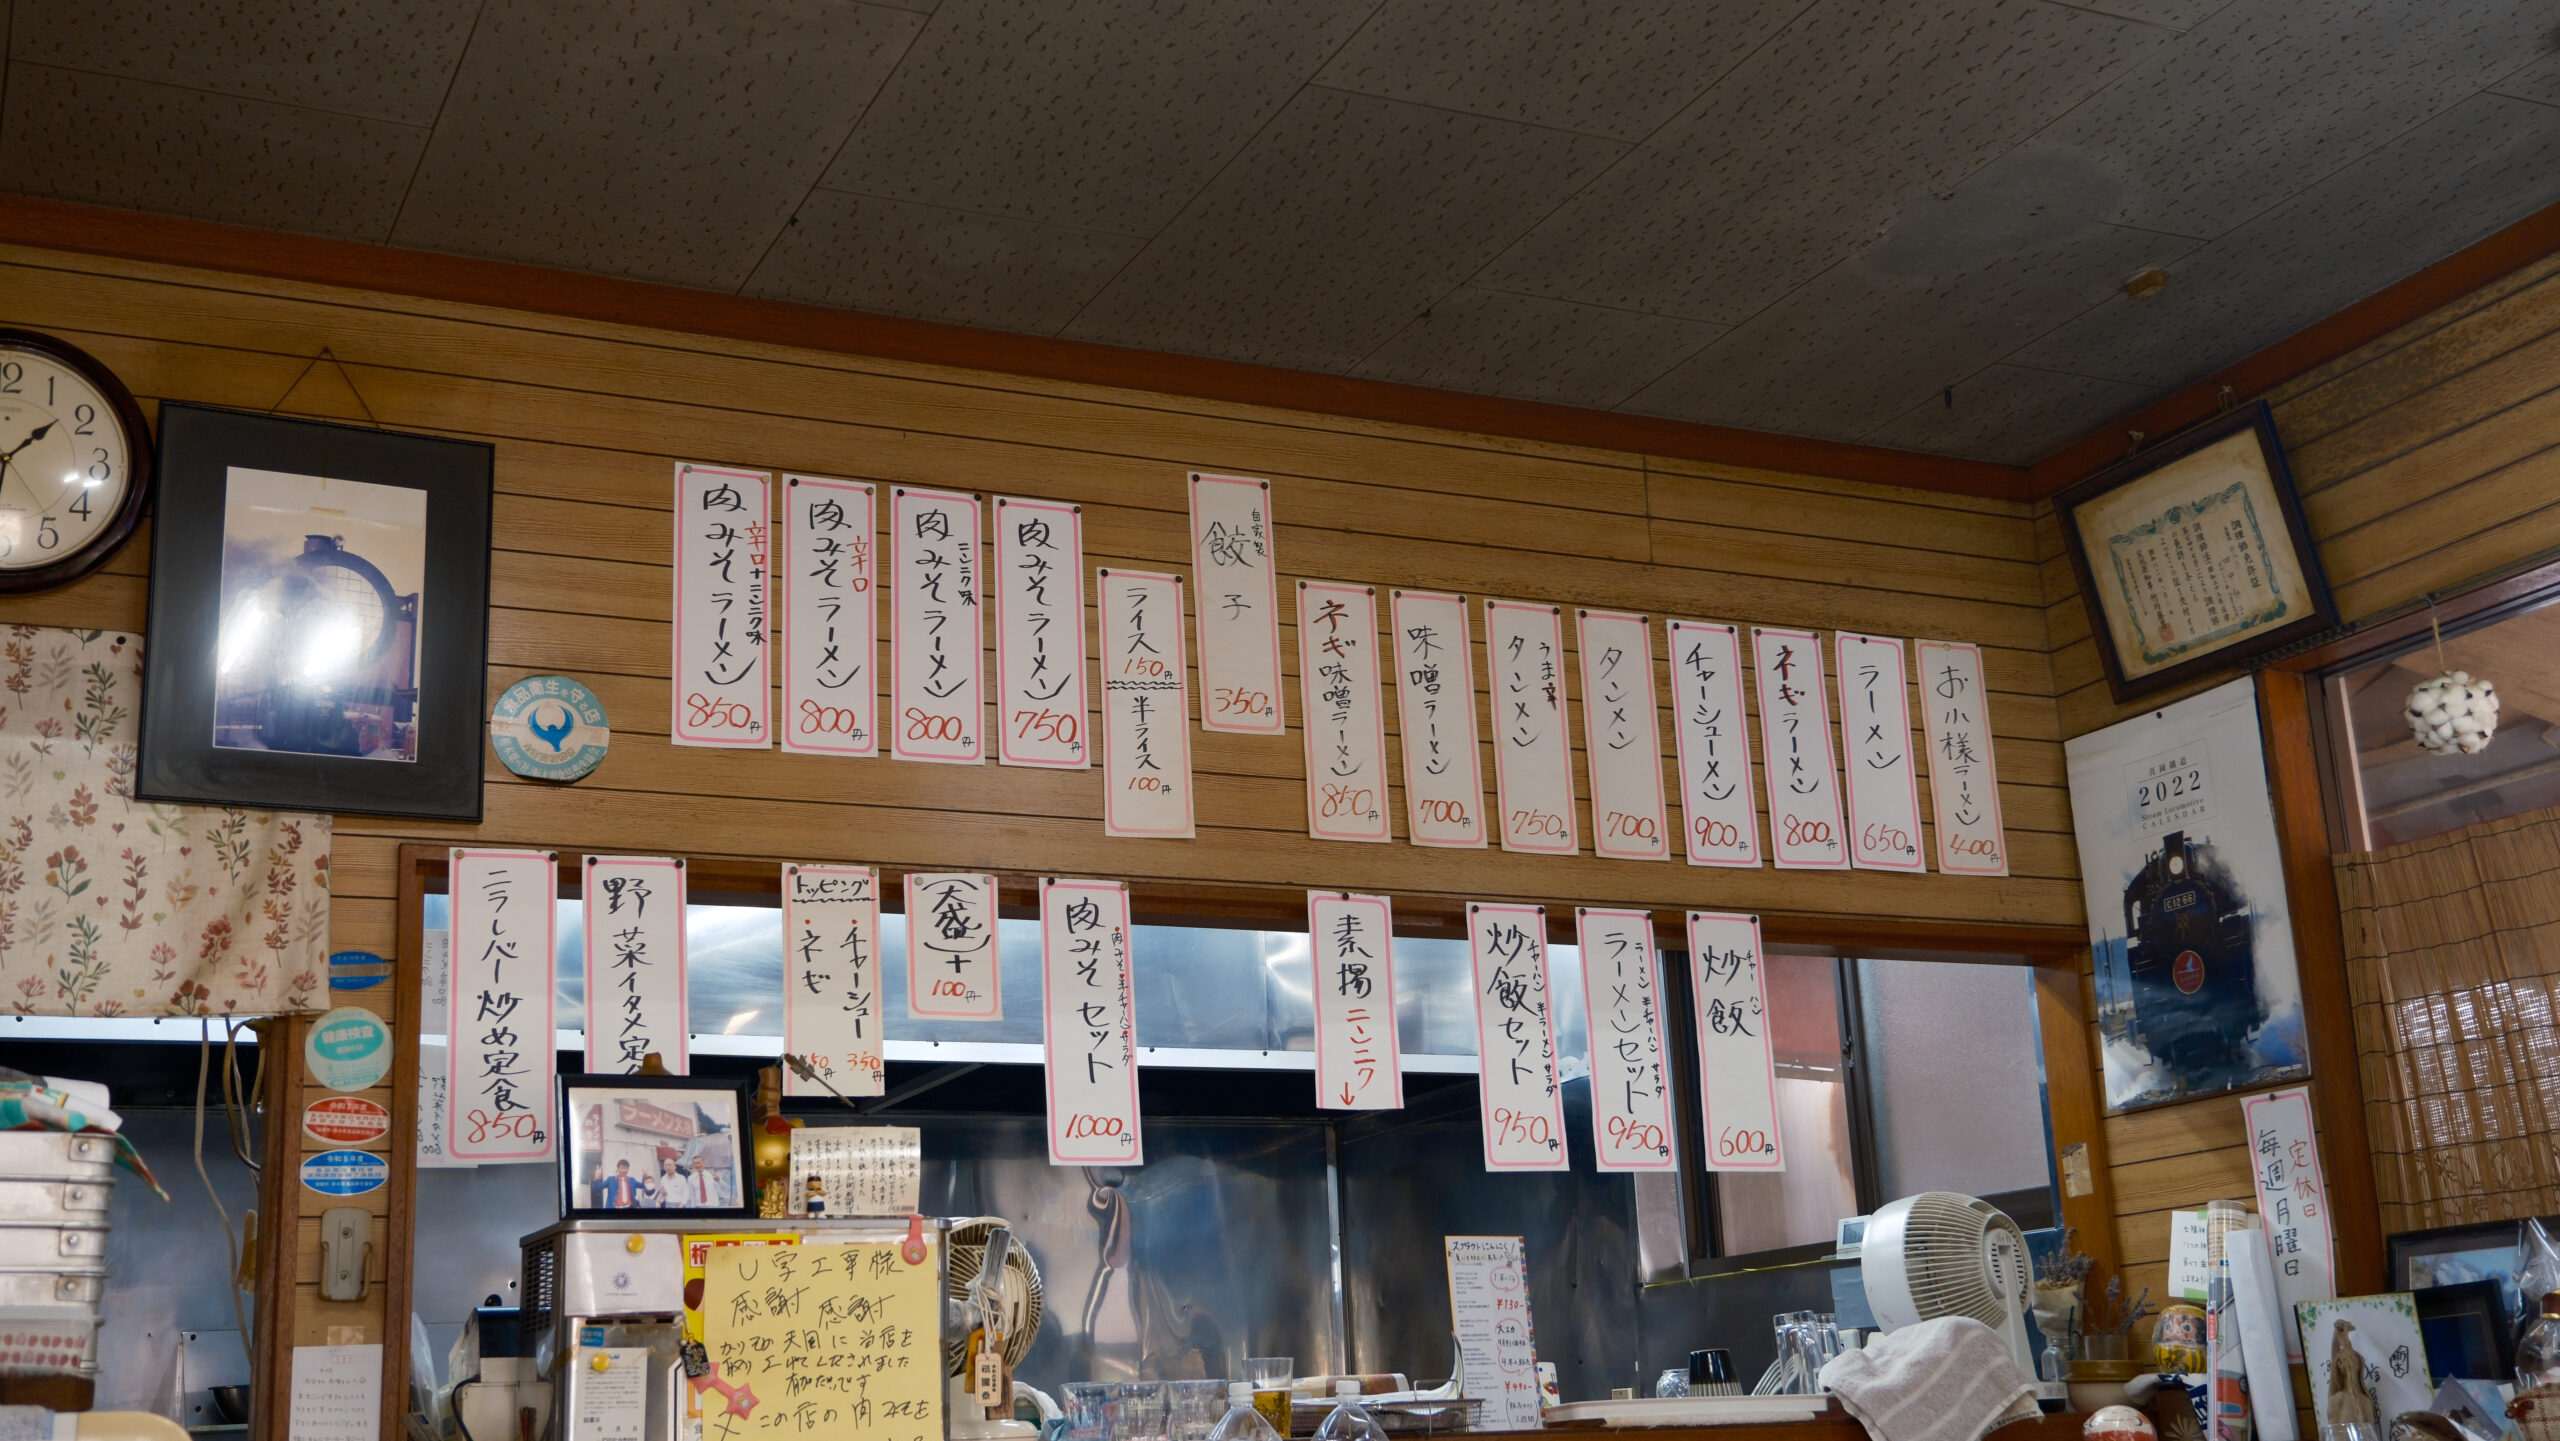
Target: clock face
(66,461)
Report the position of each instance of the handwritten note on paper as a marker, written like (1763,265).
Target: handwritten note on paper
(1237,571)
(952,972)
(499,1087)
(724,525)
(1532,755)
(1343,711)
(2293,1201)
(1436,718)
(831,978)
(612,1403)
(937,712)
(836,1341)
(1964,776)
(856,1171)
(1737,1073)
(1040,633)
(337,1394)
(1351,940)
(1146,707)
(1489,1306)
(435,1065)
(1720,822)
(1875,734)
(1622,736)
(1630,1068)
(1520,1088)
(635,963)
(1090,1008)
(1795,743)
(830,618)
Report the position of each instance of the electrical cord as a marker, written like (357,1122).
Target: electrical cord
(230,1238)
(238,1104)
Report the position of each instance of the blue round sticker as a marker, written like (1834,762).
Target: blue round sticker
(349,1049)
(345,1173)
(550,728)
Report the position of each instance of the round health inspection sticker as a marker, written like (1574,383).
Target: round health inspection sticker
(349,1049)
(346,1120)
(345,1173)
(550,728)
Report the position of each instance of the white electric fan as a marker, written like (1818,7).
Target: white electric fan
(1000,1301)
(1944,1254)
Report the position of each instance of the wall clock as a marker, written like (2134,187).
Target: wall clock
(75,462)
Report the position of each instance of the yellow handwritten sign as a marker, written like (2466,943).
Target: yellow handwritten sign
(841,1341)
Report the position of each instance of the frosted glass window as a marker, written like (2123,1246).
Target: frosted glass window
(1804,1203)
(1955,1070)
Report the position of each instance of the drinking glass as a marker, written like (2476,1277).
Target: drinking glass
(1088,1407)
(1674,1382)
(1270,1373)
(1192,1409)
(1138,1411)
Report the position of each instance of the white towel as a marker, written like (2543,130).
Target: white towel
(1951,1379)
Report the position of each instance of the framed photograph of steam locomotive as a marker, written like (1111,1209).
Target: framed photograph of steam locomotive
(2189,930)
(2194,555)
(318,629)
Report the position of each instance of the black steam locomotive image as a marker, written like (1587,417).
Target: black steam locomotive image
(2190,959)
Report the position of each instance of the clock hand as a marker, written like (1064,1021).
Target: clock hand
(32,437)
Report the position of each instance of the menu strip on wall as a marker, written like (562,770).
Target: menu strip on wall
(1489,1304)
(1795,745)
(2293,1201)
(723,531)
(952,968)
(1236,567)
(1520,1089)
(830,618)
(498,1089)
(635,963)
(831,1011)
(1964,775)
(1436,718)
(1532,754)
(1720,822)
(1737,1072)
(1040,633)
(937,711)
(1089,1008)
(1351,940)
(1622,736)
(1875,737)
(1631,1125)
(1146,711)
(1343,711)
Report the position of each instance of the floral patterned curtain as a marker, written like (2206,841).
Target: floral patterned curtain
(111,906)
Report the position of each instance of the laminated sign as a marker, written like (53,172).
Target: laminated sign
(1631,1126)
(1040,634)
(831,978)
(1532,754)
(723,543)
(1737,1072)
(1520,1088)
(1964,777)
(1720,823)
(952,973)
(1146,708)
(635,964)
(937,705)
(1090,1009)
(1352,938)
(1875,736)
(1622,736)
(1795,744)
(1236,569)
(498,1090)
(1343,711)
(1436,718)
(830,617)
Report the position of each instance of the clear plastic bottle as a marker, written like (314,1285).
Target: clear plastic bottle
(1349,1420)
(2538,1354)
(1242,1422)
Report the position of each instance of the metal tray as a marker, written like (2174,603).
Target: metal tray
(52,1288)
(57,1156)
(78,1249)
(53,1203)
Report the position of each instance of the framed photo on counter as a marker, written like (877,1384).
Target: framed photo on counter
(655,1143)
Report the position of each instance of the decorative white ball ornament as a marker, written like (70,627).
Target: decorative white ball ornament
(2453,713)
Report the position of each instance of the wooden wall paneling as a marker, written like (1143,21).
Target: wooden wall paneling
(272,1302)
(2072,1101)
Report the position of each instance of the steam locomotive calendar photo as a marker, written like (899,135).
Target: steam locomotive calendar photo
(2197,988)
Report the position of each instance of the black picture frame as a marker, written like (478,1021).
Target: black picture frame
(2320,611)
(2466,1332)
(446,702)
(588,1164)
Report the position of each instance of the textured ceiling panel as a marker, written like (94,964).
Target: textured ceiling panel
(898,258)
(2010,413)
(2173,14)
(2539,81)
(380,59)
(1532,348)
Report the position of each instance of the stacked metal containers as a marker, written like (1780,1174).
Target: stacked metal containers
(54,1190)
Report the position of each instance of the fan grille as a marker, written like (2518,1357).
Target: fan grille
(1022,1290)
(1945,1246)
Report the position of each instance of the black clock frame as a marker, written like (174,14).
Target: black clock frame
(137,490)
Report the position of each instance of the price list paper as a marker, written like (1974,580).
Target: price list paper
(1622,736)
(834,1341)
(936,707)
(1237,570)
(2293,1201)
(1875,735)
(635,963)
(1719,823)
(1964,776)
(1795,746)
(1089,1007)
(1343,712)
(1352,940)
(1146,712)
(830,618)
(500,1048)
(1436,715)
(1489,1305)
(1520,1088)
(1737,1074)
(1631,1127)
(1040,633)
(1532,755)
(831,978)
(952,969)
(723,538)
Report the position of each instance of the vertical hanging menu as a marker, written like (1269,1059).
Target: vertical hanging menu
(1146,715)
(831,978)
(1622,736)
(500,1048)
(1343,711)
(952,971)
(1090,1012)
(830,618)
(1532,755)
(1489,1307)
(1519,1087)
(1719,822)
(1737,1072)
(723,530)
(1795,744)
(936,710)
(1040,634)
(1631,1126)
(635,972)
(1352,940)
(1436,718)
(1964,776)
(1235,566)
(1875,736)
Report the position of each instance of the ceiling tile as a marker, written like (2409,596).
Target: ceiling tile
(2484,165)
(2539,82)
(1344,219)
(896,258)
(1101,114)
(2174,14)
(1605,67)
(2267,96)
(2012,415)
(650,138)
(1803,154)
(384,59)
(143,146)
(1532,348)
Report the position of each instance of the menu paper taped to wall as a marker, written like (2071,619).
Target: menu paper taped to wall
(1520,1089)
(1964,776)
(1631,1125)
(337,1394)
(1040,634)
(1489,1304)
(635,963)
(856,1171)
(1436,718)
(1737,1073)
(608,1393)
(723,539)
(1089,1005)
(2293,1201)
(1236,567)
(1352,941)
(1622,736)
(1146,708)
(831,1012)
(830,617)
(841,1341)
(1532,754)
(435,1066)
(1720,822)
(937,711)
(1875,733)
(1343,712)
(499,1085)
(1795,746)
(952,969)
